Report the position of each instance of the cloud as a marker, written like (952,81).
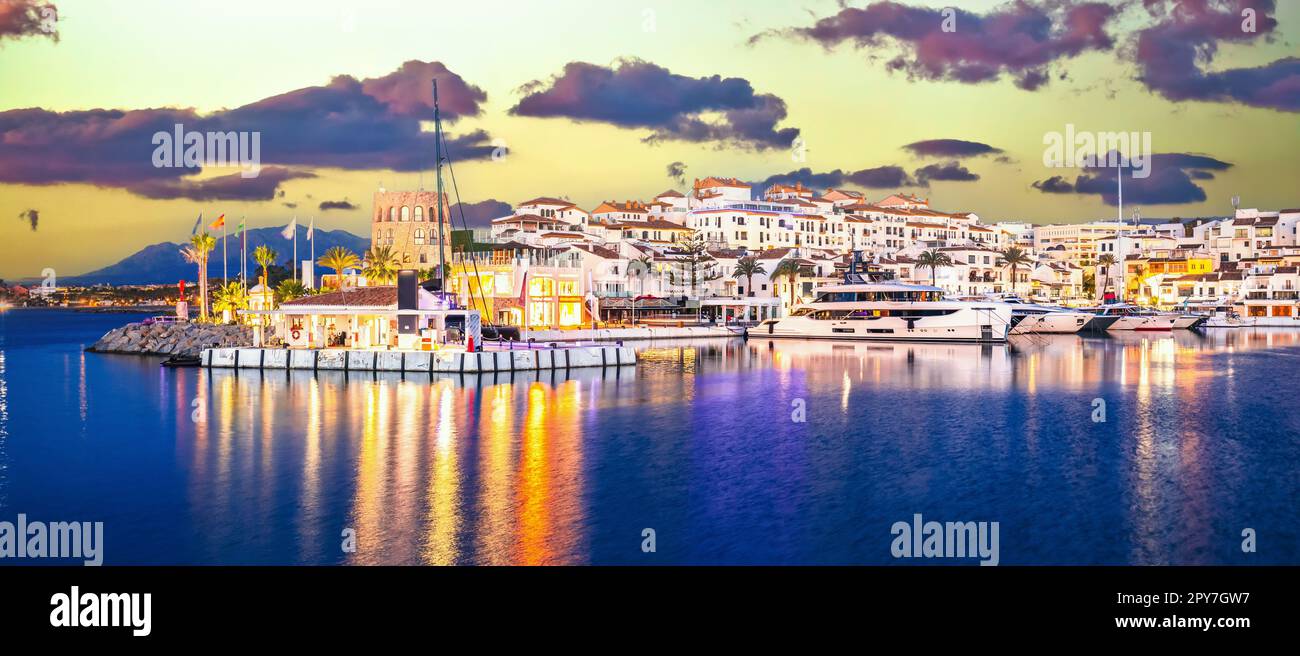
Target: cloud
(1020,39)
(327,205)
(348,123)
(1054,185)
(226,187)
(1171,181)
(950,148)
(881,177)
(31,216)
(637,94)
(480,214)
(23,18)
(1171,54)
(677,172)
(950,172)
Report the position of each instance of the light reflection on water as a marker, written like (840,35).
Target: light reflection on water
(697,442)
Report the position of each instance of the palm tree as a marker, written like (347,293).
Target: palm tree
(748,266)
(265,256)
(338,259)
(230,296)
(1106,261)
(197,252)
(933,260)
(289,289)
(644,264)
(788,269)
(1013,258)
(381,265)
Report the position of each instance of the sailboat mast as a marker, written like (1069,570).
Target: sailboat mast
(437,155)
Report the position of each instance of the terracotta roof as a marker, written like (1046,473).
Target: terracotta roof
(382,296)
(671,193)
(546,200)
(599,251)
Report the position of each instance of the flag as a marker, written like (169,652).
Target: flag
(219,223)
(197,222)
(311,228)
(288,231)
(241,225)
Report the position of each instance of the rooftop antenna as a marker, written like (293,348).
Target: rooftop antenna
(1236,203)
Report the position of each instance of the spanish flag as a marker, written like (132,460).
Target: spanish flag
(219,223)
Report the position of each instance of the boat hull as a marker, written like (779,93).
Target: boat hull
(1052,323)
(989,323)
(1144,323)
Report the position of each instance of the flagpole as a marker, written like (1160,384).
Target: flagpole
(311,237)
(294,264)
(243,254)
(225,256)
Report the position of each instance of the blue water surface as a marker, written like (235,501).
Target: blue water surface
(1137,448)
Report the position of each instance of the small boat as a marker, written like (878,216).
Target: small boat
(182,361)
(1027,318)
(1134,317)
(1188,321)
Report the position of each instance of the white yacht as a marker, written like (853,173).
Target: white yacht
(1219,313)
(1028,318)
(885,310)
(1134,317)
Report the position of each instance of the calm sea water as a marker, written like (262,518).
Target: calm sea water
(700,443)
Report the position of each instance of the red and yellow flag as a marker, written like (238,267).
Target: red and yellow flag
(219,223)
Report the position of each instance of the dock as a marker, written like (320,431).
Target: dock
(429,362)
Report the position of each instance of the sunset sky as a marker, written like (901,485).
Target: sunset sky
(595,100)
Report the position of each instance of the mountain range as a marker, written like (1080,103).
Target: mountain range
(163,263)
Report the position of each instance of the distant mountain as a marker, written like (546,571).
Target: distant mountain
(162,263)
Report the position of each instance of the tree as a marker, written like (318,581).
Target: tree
(265,256)
(933,260)
(1014,258)
(1106,261)
(290,289)
(197,252)
(697,264)
(230,296)
(1089,283)
(748,266)
(339,258)
(788,269)
(381,265)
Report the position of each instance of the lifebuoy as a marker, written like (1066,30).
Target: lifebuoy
(296,334)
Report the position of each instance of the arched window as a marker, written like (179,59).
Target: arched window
(419,213)
(419,235)
(433,214)
(379,214)
(392,213)
(406,213)
(389,236)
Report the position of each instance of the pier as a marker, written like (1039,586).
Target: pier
(431,362)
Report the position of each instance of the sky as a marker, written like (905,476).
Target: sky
(622,100)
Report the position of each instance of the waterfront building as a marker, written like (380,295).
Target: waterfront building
(556,209)
(519,285)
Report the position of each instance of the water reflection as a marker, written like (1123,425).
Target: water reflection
(556,467)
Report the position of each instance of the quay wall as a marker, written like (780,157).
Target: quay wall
(430,362)
(616,334)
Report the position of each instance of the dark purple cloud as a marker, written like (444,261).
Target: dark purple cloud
(1172,55)
(480,214)
(881,177)
(348,123)
(31,216)
(638,94)
(327,205)
(948,172)
(677,171)
(226,187)
(1021,39)
(1171,181)
(950,148)
(1054,185)
(23,18)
